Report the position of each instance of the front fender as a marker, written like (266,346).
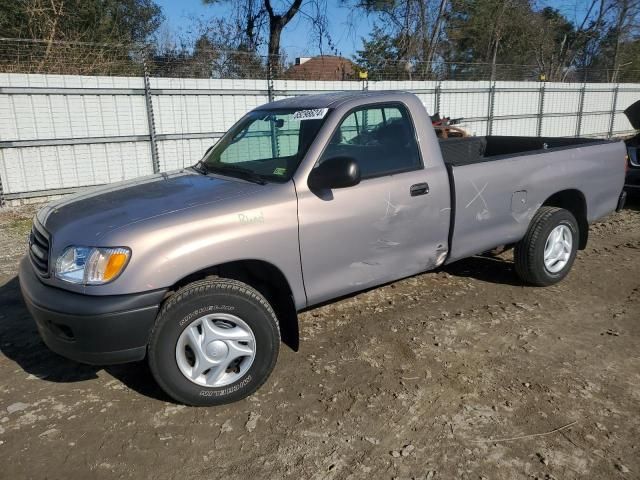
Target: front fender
(169,248)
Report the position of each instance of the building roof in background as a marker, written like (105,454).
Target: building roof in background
(322,67)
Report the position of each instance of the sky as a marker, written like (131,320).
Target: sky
(346,27)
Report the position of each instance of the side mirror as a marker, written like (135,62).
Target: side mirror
(336,172)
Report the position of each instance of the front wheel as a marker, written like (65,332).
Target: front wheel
(215,341)
(547,252)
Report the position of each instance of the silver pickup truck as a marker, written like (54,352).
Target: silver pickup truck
(203,270)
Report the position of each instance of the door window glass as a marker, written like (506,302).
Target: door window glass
(380,139)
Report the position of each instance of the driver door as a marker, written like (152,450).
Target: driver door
(380,230)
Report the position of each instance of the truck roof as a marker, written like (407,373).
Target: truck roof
(328,100)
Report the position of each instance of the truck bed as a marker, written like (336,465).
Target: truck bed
(468,150)
(498,183)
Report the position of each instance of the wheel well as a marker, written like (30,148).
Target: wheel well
(573,201)
(269,281)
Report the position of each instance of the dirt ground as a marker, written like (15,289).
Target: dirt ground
(459,373)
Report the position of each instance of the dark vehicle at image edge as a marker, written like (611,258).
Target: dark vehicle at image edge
(202,271)
(632,180)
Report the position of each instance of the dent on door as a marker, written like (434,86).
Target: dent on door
(362,236)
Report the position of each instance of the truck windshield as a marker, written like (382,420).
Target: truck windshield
(266,145)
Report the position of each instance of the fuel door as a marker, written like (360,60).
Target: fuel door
(519,201)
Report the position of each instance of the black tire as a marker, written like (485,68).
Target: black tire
(209,296)
(529,252)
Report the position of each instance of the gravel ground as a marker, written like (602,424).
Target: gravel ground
(459,373)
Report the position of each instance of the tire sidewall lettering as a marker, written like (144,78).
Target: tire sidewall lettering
(204,311)
(227,390)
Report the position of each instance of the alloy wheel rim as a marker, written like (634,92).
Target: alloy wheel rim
(557,249)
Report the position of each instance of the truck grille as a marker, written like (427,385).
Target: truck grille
(39,249)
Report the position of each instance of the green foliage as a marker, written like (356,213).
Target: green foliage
(76,36)
(500,40)
(96,21)
(478,29)
(379,55)
(629,55)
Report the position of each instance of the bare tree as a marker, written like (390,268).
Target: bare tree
(257,19)
(496,35)
(588,38)
(45,14)
(250,17)
(435,34)
(416,27)
(626,19)
(277,22)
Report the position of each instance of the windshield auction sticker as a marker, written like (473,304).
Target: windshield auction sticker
(314,114)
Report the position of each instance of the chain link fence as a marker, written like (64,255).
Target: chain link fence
(74,114)
(80,58)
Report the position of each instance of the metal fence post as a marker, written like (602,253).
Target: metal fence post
(1,194)
(365,83)
(580,109)
(492,95)
(437,98)
(150,120)
(269,81)
(540,110)
(614,105)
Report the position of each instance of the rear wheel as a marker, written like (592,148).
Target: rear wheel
(215,341)
(547,252)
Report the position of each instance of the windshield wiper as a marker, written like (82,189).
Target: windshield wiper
(236,171)
(201,167)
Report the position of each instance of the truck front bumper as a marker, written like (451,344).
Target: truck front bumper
(99,330)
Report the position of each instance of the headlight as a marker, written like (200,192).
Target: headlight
(91,265)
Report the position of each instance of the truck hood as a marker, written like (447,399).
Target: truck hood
(633,114)
(104,209)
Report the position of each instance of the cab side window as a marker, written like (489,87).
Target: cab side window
(380,138)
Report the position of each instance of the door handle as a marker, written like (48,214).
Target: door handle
(419,189)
